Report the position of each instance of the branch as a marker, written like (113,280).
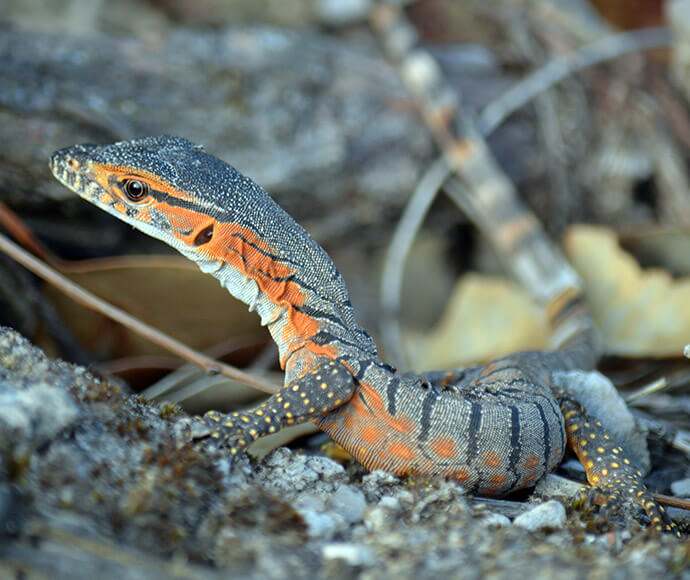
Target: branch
(88,300)
(396,256)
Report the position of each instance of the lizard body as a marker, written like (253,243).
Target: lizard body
(494,428)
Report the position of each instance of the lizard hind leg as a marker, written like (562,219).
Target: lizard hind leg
(613,478)
(322,388)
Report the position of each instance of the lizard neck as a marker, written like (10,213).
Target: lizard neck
(233,230)
(289,280)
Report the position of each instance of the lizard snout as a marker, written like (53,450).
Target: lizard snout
(69,165)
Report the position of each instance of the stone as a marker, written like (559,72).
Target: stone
(548,515)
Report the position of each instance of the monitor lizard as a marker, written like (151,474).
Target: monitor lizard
(493,428)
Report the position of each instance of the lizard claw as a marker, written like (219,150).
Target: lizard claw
(221,431)
(616,484)
(614,508)
(200,428)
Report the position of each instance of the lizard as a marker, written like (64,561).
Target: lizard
(494,428)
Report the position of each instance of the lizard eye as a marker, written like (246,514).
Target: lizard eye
(134,189)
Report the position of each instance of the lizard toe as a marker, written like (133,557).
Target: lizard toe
(613,509)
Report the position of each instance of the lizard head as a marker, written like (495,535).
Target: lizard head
(165,186)
(168,188)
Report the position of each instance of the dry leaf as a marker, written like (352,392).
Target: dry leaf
(167,292)
(486,317)
(640,312)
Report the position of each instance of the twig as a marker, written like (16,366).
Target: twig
(670,501)
(19,230)
(196,387)
(519,238)
(189,374)
(85,298)
(394,265)
(561,67)
(653,387)
(14,224)
(438,106)
(681,441)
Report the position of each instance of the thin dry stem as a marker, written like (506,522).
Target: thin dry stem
(88,300)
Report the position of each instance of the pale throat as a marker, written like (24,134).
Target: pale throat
(276,317)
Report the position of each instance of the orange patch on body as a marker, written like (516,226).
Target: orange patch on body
(248,254)
(356,414)
(401,451)
(493,459)
(462,475)
(144,214)
(371,435)
(242,248)
(400,424)
(498,479)
(328,350)
(184,219)
(444,447)
(373,407)
(373,399)
(532,461)
(530,478)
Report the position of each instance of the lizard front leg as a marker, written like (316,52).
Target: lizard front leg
(613,478)
(322,388)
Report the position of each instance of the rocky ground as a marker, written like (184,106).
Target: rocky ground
(94,481)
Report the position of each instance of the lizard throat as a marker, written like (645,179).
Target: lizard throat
(290,328)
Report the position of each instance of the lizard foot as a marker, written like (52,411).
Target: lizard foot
(616,484)
(234,431)
(622,499)
(323,388)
